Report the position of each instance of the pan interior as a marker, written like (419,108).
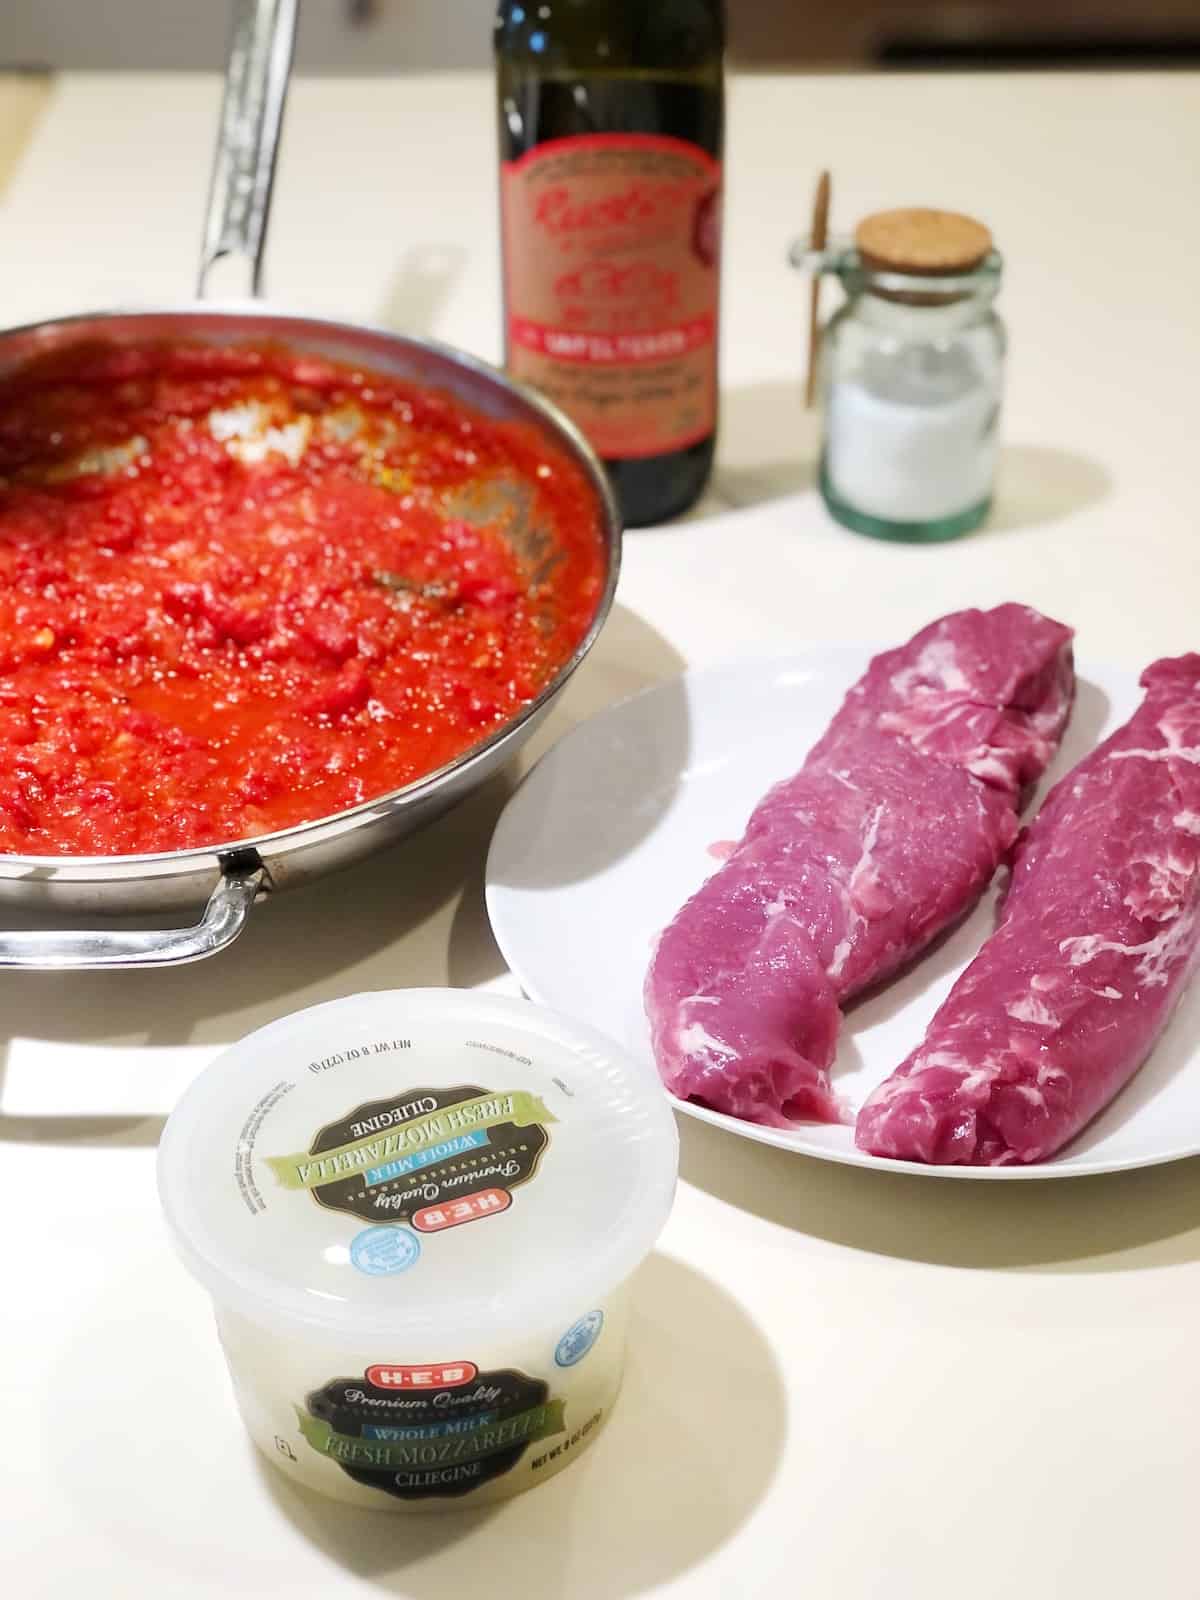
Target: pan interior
(505,500)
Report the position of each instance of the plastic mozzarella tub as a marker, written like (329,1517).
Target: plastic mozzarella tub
(417,1213)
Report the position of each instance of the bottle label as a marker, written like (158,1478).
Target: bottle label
(438,1430)
(434,1158)
(611,254)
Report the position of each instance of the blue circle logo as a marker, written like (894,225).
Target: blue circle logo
(579,1339)
(381,1251)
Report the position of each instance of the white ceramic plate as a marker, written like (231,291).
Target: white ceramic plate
(612,830)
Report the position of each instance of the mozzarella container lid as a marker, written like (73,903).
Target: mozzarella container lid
(418,1160)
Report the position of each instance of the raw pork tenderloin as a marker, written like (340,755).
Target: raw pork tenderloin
(889,832)
(1098,936)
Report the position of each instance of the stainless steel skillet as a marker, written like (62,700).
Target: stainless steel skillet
(227,878)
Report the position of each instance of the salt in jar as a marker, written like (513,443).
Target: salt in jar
(912,371)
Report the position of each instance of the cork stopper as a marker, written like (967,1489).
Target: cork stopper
(922,242)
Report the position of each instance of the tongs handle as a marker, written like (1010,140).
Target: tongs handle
(256,85)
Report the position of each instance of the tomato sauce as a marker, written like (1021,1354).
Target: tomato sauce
(242,589)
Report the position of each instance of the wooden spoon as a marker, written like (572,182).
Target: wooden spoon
(817,239)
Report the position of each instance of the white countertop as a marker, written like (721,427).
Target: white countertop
(842,1383)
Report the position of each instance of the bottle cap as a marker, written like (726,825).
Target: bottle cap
(923,242)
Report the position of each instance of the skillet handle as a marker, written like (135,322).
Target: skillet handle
(256,84)
(224,918)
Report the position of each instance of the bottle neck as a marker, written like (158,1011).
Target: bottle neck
(556,36)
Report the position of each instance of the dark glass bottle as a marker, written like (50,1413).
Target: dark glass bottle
(611,126)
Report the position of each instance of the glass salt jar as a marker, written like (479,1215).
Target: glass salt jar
(912,370)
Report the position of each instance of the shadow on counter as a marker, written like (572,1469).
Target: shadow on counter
(1036,485)
(767,446)
(424,278)
(1076,1224)
(670,1479)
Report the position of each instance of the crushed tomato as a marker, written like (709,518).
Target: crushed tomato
(242,589)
